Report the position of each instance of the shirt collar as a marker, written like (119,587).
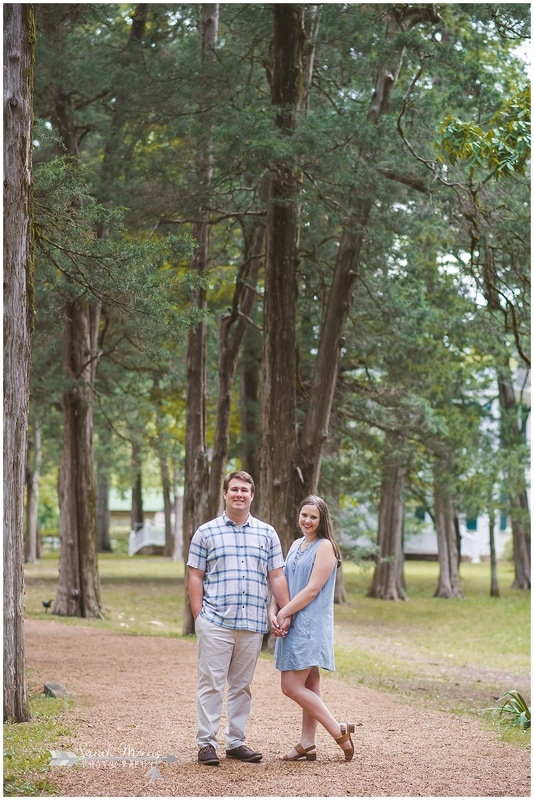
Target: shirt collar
(231,522)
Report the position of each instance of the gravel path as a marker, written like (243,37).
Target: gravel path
(135,698)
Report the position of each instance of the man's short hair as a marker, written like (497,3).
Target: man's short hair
(242,475)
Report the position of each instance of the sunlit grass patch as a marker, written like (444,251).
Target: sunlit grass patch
(27,748)
(141,595)
(478,628)
(374,669)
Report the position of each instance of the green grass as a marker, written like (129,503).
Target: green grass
(26,748)
(478,629)
(141,596)
(449,653)
(144,595)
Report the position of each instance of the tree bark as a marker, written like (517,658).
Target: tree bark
(492,518)
(167,507)
(196,483)
(19,48)
(388,579)
(102,507)
(33,473)
(511,430)
(279,481)
(78,591)
(178,517)
(249,406)
(449,585)
(162,451)
(137,514)
(512,440)
(317,420)
(232,329)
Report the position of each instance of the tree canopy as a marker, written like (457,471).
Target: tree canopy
(304,232)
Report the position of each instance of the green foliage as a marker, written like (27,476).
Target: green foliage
(420,341)
(513,710)
(503,148)
(84,252)
(26,748)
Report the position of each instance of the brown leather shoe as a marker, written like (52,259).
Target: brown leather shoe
(244,753)
(207,755)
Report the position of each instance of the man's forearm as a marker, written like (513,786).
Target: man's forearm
(279,590)
(196,594)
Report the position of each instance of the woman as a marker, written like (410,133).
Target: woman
(304,628)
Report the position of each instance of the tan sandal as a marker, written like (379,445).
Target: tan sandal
(302,752)
(346,729)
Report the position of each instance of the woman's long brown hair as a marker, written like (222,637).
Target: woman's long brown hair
(325,529)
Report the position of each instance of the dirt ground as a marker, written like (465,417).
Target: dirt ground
(134,713)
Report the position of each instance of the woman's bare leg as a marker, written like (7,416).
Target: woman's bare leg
(309,723)
(295,686)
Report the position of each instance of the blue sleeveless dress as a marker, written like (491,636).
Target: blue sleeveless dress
(310,639)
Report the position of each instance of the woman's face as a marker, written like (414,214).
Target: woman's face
(309,519)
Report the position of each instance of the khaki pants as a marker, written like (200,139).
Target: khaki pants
(224,656)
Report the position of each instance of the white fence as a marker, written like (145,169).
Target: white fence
(145,536)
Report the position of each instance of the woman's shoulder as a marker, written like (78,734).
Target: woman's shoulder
(325,549)
(296,543)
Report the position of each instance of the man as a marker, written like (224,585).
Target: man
(233,561)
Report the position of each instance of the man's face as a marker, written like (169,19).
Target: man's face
(238,496)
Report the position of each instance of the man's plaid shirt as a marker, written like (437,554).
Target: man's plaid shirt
(236,562)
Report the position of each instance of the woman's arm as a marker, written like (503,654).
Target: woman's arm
(325,560)
(280,597)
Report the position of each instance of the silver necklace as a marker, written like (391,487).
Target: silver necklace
(297,555)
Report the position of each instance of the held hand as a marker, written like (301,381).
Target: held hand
(284,625)
(275,627)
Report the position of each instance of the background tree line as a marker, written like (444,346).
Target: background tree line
(293,238)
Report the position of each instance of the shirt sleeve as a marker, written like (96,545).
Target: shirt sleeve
(276,558)
(197,557)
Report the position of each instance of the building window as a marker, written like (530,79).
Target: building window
(471,524)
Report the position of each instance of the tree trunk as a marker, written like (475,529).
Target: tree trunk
(279,481)
(19,46)
(33,473)
(511,436)
(492,518)
(236,320)
(249,405)
(196,482)
(137,516)
(78,591)
(102,507)
(102,489)
(167,506)
(388,579)
(340,297)
(177,554)
(512,440)
(110,165)
(317,420)
(449,585)
(162,451)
